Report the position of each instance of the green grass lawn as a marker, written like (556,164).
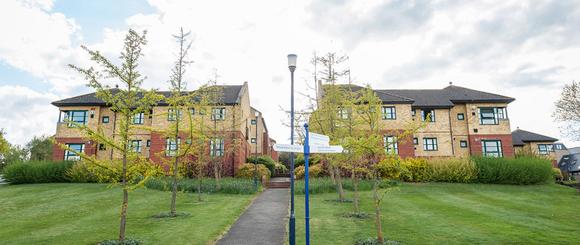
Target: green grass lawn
(440,213)
(89,213)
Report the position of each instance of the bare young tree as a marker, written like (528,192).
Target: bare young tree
(568,110)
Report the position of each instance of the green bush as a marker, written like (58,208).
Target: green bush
(80,172)
(391,168)
(313,171)
(518,171)
(325,185)
(453,170)
(208,185)
(414,169)
(248,170)
(264,160)
(111,171)
(37,172)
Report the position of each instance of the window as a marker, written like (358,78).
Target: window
(218,114)
(105,119)
(559,146)
(138,118)
(430,144)
(253,140)
(488,116)
(172,114)
(192,111)
(391,145)
(102,147)
(343,113)
(415,141)
(389,113)
(413,113)
(501,113)
(217,147)
(71,155)
(136,145)
(148,144)
(253,122)
(428,115)
(463,143)
(491,148)
(460,116)
(71,117)
(545,149)
(171,146)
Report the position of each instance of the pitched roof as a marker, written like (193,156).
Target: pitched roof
(447,96)
(385,96)
(519,137)
(231,95)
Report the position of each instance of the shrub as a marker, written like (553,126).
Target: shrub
(520,171)
(557,174)
(208,185)
(111,171)
(414,169)
(37,172)
(455,170)
(80,173)
(264,160)
(391,168)
(247,171)
(313,171)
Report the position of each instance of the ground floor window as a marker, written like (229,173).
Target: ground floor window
(217,147)
(171,146)
(136,145)
(430,144)
(491,148)
(391,145)
(71,155)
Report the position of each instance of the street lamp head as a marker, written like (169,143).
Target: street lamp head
(292,61)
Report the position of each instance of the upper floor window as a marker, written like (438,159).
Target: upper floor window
(545,149)
(173,114)
(463,143)
(218,113)
(559,146)
(391,145)
(343,113)
(253,122)
(491,115)
(428,115)
(72,117)
(192,111)
(415,141)
(138,118)
(389,113)
(430,144)
(491,148)
(253,140)
(413,112)
(460,116)
(105,119)
(171,146)
(217,147)
(70,155)
(136,145)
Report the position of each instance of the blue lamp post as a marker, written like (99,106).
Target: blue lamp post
(292,222)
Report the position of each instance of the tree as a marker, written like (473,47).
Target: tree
(127,100)
(4,148)
(40,148)
(568,110)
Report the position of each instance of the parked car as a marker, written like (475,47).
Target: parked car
(570,163)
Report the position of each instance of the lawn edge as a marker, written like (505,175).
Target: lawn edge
(229,226)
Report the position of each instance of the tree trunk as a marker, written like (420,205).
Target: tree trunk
(330,171)
(378,212)
(174,187)
(125,204)
(356,194)
(199,180)
(216,173)
(338,178)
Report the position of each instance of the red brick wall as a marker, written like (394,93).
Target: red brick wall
(406,147)
(506,143)
(231,162)
(58,152)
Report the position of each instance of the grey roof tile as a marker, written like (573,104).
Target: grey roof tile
(519,137)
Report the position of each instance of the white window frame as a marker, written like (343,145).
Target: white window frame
(391,145)
(498,152)
(218,113)
(72,156)
(71,115)
(136,146)
(172,146)
(389,113)
(138,118)
(172,115)
(430,144)
(425,112)
(217,147)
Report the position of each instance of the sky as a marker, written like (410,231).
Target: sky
(523,49)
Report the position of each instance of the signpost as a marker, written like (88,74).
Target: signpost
(313,143)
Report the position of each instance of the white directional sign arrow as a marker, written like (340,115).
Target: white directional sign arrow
(289,148)
(326,149)
(319,139)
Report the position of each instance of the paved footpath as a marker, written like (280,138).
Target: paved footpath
(264,222)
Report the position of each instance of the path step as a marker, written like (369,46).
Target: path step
(279,185)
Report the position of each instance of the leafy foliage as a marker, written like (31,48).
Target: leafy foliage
(248,170)
(313,171)
(325,185)
(454,170)
(208,185)
(264,160)
(37,172)
(518,171)
(40,148)
(568,110)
